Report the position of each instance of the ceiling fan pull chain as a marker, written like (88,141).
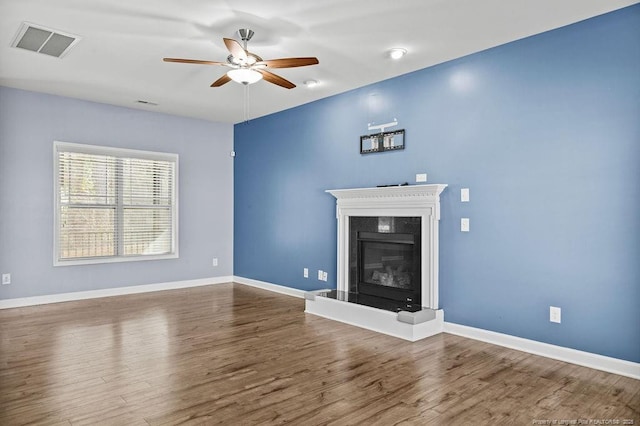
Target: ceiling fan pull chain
(246,103)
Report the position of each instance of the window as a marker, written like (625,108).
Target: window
(114,204)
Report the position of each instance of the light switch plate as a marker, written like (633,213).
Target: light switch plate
(421,177)
(305,272)
(555,314)
(464,224)
(464,195)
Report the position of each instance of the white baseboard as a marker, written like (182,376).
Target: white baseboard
(108,292)
(271,287)
(586,359)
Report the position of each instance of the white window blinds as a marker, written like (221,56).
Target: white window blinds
(114,204)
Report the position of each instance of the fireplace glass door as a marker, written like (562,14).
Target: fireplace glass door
(389,266)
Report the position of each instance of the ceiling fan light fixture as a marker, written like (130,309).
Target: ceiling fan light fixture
(244,75)
(311,83)
(247,67)
(397,53)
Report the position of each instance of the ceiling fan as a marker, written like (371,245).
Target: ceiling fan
(248,68)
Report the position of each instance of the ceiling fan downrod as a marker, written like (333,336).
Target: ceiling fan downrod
(245,35)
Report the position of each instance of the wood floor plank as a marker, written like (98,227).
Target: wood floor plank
(232,354)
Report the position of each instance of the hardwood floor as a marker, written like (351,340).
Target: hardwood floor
(231,354)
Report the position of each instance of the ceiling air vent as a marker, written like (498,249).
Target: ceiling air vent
(44,40)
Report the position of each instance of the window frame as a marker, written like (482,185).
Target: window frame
(59,146)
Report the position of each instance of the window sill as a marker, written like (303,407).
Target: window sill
(102,260)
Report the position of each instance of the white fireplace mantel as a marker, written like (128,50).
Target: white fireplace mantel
(393,201)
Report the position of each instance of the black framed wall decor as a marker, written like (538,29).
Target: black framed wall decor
(380,142)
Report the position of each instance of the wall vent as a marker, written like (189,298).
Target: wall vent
(44,40)
(144,102)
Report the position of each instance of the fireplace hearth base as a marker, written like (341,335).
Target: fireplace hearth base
(411,326)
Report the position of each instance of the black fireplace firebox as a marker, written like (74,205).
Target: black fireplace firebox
(385,259)
(389,266)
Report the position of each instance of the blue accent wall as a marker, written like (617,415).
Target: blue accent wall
(545,132)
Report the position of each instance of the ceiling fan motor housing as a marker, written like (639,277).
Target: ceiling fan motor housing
(245,34)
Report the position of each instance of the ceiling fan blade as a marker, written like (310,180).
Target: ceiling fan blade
(236,49)
(290,62)
(193,61)
(276,79)
(222,80)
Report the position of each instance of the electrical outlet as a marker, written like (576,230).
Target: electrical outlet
(324,276)
(305,272)
(464,224)
(6,279)
(555,314)
(215,261)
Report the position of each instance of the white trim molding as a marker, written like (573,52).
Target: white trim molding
(573,356)
(289,291)
(108,292)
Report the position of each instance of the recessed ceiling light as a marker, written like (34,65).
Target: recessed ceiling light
(397,52)
(311,83)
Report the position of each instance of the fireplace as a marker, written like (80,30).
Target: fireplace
(387,251)
(412,209)
(385,258)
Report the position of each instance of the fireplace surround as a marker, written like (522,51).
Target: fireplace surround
(391,213)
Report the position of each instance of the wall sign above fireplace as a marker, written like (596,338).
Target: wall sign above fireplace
(380,142)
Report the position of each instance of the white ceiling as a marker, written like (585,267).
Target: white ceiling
(119,59)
